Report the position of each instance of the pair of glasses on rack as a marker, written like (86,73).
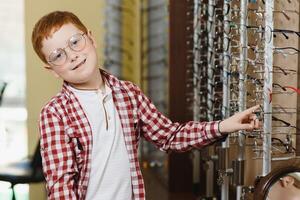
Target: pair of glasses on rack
(278,69)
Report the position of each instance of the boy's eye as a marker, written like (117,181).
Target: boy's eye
(77,42)
(57,55)
(74,41)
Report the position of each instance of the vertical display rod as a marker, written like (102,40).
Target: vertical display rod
(242,96)
(268,80)
(226,98)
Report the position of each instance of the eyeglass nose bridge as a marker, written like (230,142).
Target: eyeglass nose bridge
(70,53)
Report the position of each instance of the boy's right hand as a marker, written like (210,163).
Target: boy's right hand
(245,120)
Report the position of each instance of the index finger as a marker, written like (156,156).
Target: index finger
(251,109)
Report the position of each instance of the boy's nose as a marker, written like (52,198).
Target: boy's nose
(74,57)
(71,55)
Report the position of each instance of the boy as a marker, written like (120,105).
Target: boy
(90,130)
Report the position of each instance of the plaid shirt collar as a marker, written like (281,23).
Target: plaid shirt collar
(110,80)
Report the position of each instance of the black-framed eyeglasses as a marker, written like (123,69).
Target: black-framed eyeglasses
(59,56)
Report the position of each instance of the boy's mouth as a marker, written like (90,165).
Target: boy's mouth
(81,63)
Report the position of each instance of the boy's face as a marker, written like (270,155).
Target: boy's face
(71,55)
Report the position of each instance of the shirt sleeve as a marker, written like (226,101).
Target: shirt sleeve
(167,135)
(57,158)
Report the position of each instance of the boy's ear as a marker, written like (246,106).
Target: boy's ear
(90,35)
(47,67)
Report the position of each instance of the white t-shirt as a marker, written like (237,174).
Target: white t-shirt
(110,172)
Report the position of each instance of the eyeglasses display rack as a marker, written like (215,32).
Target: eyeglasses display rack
(246,53)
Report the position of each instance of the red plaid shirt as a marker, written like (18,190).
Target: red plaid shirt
(66,137)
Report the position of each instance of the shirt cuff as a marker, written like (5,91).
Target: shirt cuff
(214,133)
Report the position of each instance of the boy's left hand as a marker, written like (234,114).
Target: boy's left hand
(245,120)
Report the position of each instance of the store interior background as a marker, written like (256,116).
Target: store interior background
(37,85)
(144,41)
